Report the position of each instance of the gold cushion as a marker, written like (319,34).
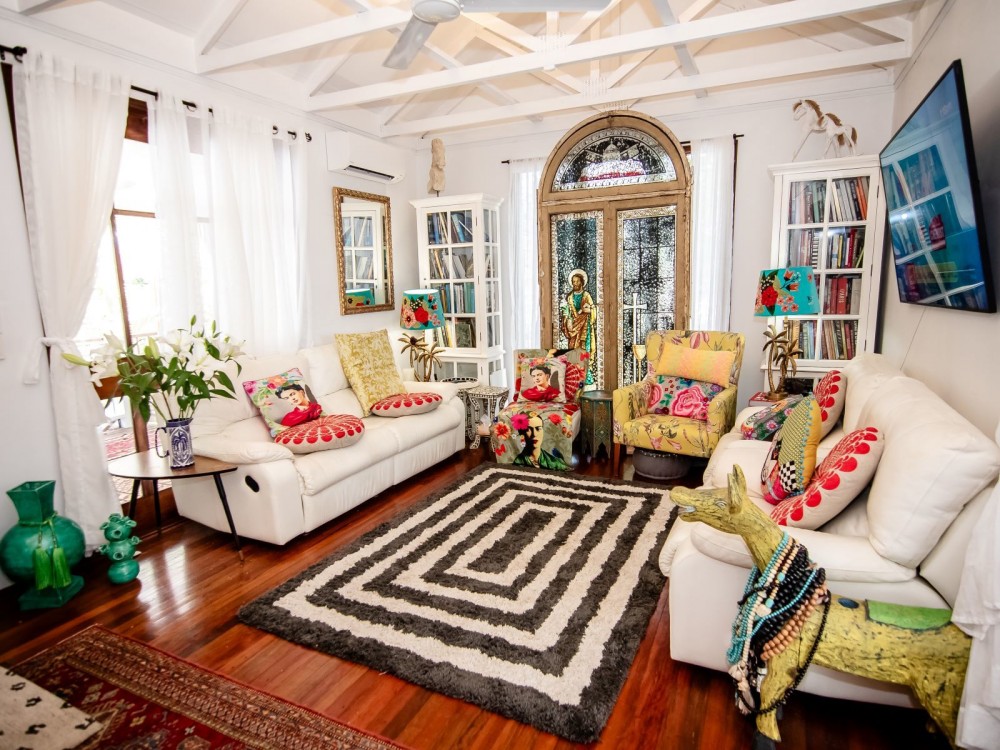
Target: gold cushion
(369,366)
(696,364)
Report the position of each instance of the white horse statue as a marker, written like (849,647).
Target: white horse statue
(838,135)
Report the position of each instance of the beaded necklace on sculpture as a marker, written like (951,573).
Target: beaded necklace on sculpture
(776,604)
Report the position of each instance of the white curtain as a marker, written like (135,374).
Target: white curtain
(712,232)
(257,277)
(70,125)
(176,181)
(522,321)
(235,256)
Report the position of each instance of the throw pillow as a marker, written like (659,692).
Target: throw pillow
(284,400)
(406,403)
(370,367)
(680,397)
(830,392)
(543,379)
(696,364)
(761,425)
(793,457)
(334,431)
(836,482)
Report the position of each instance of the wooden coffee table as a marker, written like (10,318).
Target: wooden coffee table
(148,466)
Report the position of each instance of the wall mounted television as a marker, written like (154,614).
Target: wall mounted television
(935,213)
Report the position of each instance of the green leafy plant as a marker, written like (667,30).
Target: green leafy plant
(181,369)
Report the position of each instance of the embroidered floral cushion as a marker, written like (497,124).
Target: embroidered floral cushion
(697,364)
(370,367)
(761,425)
(793,455)
(406,403)
(830,392)
(543,379)
(679,397)
(333,431)
(284,400)
(839,479)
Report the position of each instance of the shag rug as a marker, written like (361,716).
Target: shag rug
(145,698)
(524,592)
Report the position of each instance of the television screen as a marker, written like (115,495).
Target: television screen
(932,194)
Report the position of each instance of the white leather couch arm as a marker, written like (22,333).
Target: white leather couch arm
(224,448)
(445,390)
(845,558)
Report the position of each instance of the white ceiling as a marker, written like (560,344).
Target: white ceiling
(481,70)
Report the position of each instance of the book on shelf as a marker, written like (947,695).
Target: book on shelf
(854,297)
(842,295)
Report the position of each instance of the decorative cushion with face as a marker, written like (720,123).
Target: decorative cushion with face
(406,403)
(840,478)
(576,371)
(370,367)
(696,364)
(545,381)
(793,455)
(762,425)
(284,400)
(680,397)
(334,431)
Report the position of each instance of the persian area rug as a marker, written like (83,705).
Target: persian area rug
(524,592)
(145,698)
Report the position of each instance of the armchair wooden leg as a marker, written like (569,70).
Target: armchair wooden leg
(616,452)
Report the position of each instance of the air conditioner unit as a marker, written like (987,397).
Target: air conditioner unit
(364,157)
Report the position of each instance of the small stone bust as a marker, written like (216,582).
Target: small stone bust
(435,182)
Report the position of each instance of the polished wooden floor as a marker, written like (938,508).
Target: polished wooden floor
(191,584)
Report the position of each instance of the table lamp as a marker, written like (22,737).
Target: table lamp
(784,292)
(360,297)
(421,311)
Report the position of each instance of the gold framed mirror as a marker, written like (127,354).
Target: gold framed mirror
(362,225)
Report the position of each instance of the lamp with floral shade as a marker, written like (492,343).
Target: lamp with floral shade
(421,310)
(785,293)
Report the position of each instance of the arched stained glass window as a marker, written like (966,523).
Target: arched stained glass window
(614,156)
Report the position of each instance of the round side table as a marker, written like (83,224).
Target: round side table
(464,384)
(484,399)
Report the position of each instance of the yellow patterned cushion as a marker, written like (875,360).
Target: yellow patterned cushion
(793,455)
(369,366)
(696,364)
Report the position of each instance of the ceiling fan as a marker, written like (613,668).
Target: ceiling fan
(429,13)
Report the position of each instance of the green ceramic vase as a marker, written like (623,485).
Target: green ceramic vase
(40,527)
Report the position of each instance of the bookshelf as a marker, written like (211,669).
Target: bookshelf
(458,246)
(830,215)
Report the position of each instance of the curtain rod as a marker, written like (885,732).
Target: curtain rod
(736,137)
(19,52)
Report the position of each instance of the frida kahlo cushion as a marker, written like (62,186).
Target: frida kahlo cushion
(284,400)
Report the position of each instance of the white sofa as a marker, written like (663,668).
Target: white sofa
(902,541)
(276,495)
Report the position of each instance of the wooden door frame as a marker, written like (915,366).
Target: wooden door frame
(611,200)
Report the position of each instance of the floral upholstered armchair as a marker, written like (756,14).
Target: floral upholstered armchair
(538,426)
(687,401)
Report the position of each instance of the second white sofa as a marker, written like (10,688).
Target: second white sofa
(276,495)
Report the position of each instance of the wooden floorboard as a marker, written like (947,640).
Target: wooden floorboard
(191,584)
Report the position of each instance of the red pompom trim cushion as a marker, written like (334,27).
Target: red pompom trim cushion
(406,403)
(334,431)
(830,393)
(836,482)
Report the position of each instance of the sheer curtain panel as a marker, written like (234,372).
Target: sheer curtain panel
(70,124)
(522,324)
(714,161)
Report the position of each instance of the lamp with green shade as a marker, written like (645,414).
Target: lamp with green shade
(421,310)
(785,293)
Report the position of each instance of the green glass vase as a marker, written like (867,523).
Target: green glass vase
(42,548)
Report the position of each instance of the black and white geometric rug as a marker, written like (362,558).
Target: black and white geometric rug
(524,592)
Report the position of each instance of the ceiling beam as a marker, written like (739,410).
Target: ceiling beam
(215,25)
(886,53)
(557,78)
(705,28)
(320,33)
(684,57)
(27,7)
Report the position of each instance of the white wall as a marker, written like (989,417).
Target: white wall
(770,136)
(956,353)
